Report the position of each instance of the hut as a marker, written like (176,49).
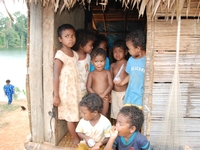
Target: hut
(159,19)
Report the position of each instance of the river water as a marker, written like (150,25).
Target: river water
(13,67)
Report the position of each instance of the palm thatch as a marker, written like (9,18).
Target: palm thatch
(170,7)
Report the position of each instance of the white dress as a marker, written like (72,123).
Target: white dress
(84,68)
(69,88)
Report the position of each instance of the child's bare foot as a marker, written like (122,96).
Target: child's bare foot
(75,143)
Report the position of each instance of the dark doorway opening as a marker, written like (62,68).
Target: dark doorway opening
(113,21)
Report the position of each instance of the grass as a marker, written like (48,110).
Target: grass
(4,108)
(3,124)
(7,108)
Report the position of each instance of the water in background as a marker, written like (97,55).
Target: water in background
(13,67)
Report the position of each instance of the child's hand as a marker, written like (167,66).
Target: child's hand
(117,82)
(97,146)
(110,98)
(56,101)
(102,95)
(106,98)
(113,132)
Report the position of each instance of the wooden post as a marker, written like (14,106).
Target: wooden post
(149,72)
(35,72)
(48,54)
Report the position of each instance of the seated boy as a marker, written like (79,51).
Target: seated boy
(93,128)
(125,135)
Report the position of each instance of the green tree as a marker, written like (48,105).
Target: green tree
(20,27)
(12,37)
(5,25)
(13,34)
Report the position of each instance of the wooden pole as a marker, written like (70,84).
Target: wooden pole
(27,66)
(35,72)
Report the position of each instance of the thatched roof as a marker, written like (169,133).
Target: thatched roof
(170,7)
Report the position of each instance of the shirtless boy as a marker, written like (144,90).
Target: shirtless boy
(100,80)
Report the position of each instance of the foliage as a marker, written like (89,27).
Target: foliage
(18,92)
(13,34)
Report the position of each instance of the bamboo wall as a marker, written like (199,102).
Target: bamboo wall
(161,59)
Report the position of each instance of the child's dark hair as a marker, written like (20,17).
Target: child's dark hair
(120,43)
(138,38)
(135,115)
(100,38)
(8,81)
(82,38)
(98,51)
(64,27)
(93,102)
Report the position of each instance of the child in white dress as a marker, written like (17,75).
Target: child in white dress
(66,84)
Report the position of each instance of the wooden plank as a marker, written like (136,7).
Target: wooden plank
(149,74)
(45,146)
(48,55)
(35,73)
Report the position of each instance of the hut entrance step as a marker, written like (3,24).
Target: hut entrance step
(66,141)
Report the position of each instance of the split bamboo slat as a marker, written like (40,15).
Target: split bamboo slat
(190,135)
(163,55)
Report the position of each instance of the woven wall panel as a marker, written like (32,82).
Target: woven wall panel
(161,60)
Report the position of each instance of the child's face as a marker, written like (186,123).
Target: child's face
(103,45)
(99,62)
(123,125)
(86,114)
(68,38)
(118,53)
(134,52)
(88,47)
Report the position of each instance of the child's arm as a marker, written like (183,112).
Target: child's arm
(56,73)
(111,70)
(83,136)
(109,87)
(89,83)
(125,81)
(4,90)
(113,136)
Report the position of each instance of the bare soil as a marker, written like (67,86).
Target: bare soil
(14,127)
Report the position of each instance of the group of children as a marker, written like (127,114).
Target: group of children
(85,83)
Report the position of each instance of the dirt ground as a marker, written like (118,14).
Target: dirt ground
(14,127)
